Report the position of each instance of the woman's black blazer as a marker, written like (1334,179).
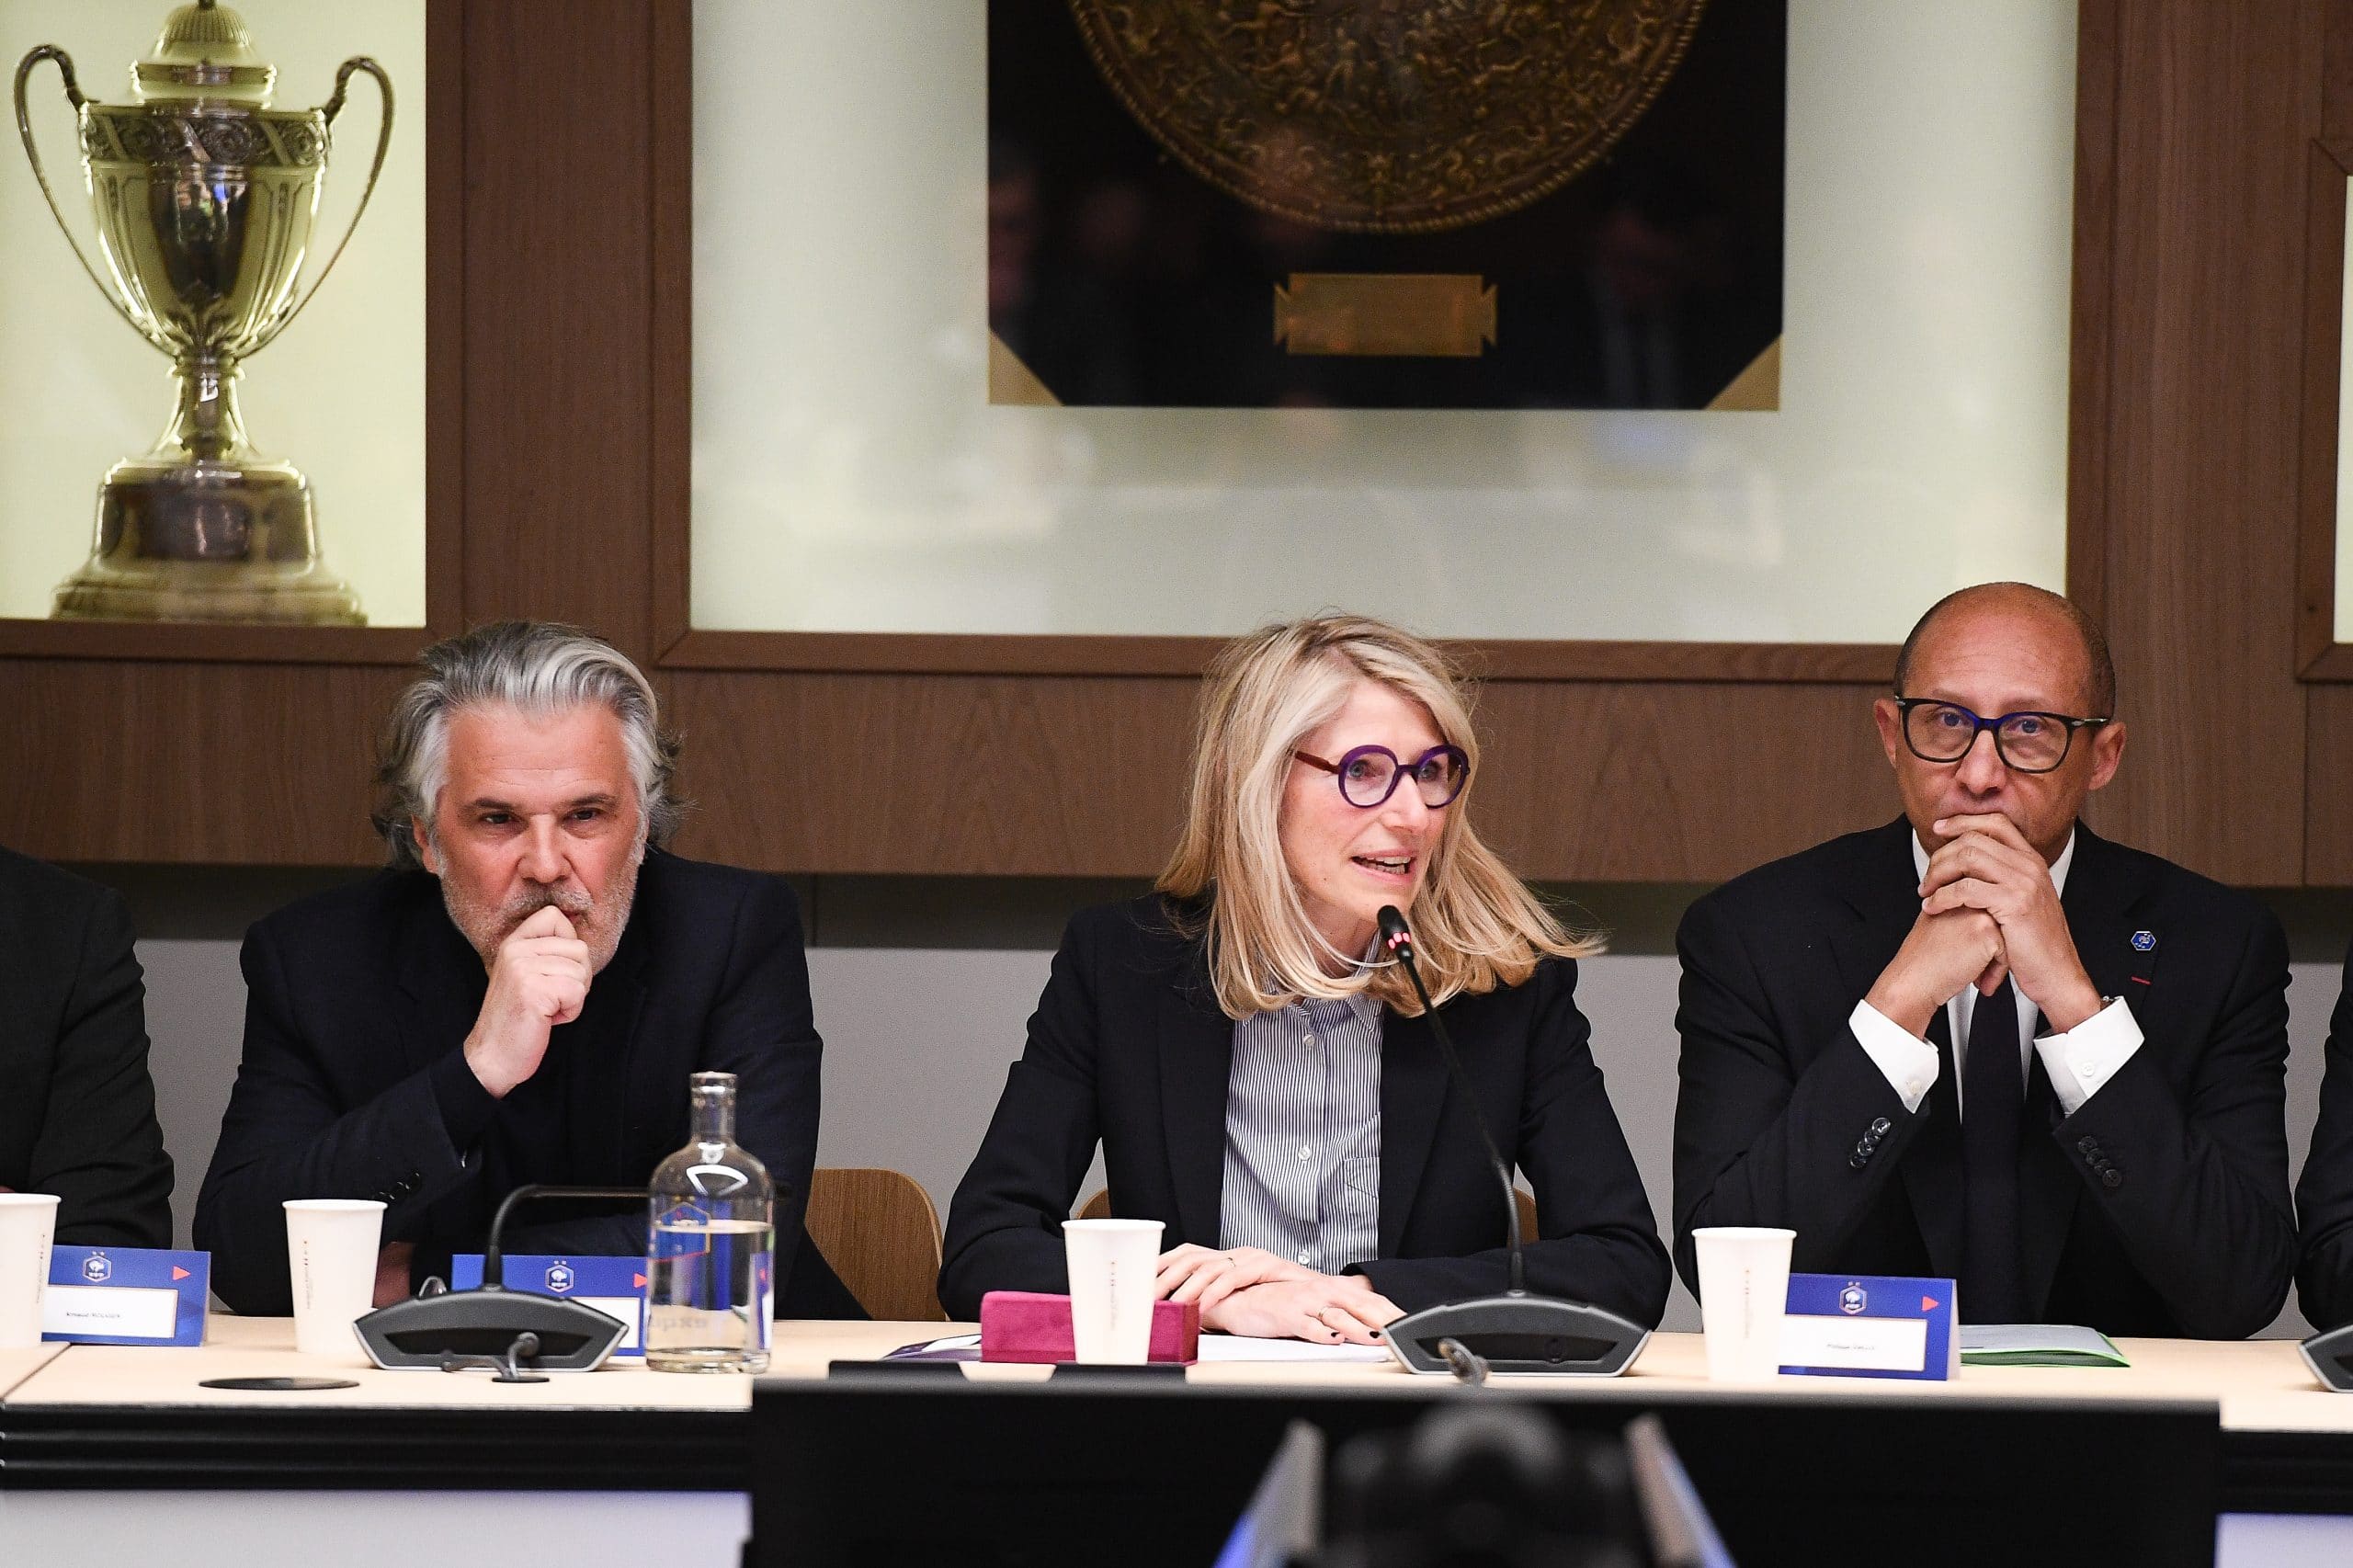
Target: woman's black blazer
(1129,1046)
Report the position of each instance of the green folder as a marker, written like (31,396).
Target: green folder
(2037,1345)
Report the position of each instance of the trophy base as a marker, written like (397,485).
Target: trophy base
(207,541)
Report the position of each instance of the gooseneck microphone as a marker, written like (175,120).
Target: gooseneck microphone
(1398,939)
(491,1326)
(1515,1332)
(494,1258)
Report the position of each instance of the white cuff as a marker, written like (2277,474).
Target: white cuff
(1908,1062)
(2088,1055)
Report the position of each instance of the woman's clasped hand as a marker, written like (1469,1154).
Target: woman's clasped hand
(1249,1290)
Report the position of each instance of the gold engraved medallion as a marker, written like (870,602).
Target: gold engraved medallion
(1387,116)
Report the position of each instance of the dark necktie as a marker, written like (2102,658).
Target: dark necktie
(1993,1104)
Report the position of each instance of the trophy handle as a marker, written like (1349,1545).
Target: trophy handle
(383,145)
(25,130)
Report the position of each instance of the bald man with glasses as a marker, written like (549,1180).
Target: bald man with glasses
(1982,1042)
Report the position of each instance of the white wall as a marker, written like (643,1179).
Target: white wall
(918,1040)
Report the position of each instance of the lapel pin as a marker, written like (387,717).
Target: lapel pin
(2145,941)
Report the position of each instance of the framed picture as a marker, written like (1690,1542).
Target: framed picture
(855,473)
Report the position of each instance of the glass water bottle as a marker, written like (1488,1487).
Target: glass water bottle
(710,1236)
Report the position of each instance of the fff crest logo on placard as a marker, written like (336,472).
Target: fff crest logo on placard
(98,1268)
(560,1277)
(1853,1300)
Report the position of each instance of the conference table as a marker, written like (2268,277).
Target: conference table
(122,1443)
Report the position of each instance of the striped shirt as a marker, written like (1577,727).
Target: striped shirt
(1302,1134)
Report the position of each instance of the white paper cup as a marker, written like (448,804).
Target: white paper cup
(28,1222)
(1743,1296)
(331,1247)
(1112,1263)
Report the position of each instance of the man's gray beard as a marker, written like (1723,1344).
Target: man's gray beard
(606,917)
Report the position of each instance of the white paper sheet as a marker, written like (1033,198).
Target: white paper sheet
(1236,1348)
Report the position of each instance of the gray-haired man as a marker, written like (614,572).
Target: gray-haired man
(521,996)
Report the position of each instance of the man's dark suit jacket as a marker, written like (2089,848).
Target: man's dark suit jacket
(77,1110)
(357,999)
(1129,1045)
(2159,1208)
(2325,1192)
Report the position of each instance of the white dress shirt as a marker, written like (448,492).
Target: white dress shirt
(2077,1062)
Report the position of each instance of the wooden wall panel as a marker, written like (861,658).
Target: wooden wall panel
(195,763)
(1595,782)
(1004,775)
(445,313)
(2091,303)
(1029,775)
(2328,761)
(559,249)
(2213,105)
(2328,38)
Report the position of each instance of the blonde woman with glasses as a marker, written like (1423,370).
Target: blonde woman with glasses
(1261,1080)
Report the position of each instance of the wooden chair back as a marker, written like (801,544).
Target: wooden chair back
(882,1234)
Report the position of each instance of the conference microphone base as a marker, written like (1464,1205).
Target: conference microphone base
(2330,1356)
(481,1327)
(516,1334)
(1519,1332)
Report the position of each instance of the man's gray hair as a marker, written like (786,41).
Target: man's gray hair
(539,668)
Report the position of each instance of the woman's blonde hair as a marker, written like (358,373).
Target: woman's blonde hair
(1476,925)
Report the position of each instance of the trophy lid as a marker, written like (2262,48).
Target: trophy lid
(204,52)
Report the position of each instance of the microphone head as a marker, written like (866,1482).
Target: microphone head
(1394,933)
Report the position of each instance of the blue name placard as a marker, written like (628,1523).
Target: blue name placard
(1869,1326)
(126,1295)
(614,1285)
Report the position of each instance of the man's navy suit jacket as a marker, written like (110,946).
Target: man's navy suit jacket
(1129,1046)
(2159,1208)
(356,998)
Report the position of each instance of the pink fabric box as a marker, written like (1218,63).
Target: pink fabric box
(1026,1325)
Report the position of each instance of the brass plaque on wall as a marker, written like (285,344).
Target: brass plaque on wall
(1425,315)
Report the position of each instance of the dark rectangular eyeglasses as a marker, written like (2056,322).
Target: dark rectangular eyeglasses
(2028,741)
